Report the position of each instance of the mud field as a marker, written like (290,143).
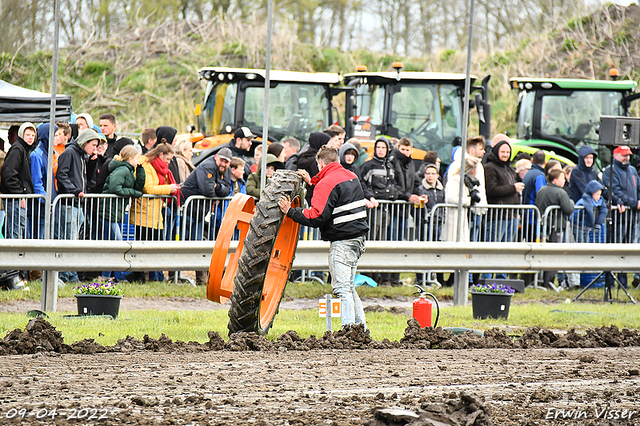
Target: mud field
(430,377)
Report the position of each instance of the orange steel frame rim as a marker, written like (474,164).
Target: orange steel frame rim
(220,282)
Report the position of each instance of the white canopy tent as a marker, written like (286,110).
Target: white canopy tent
(18,104)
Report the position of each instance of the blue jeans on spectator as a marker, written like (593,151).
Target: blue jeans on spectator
(71,218)
(194,229)
(475,227)
(343,262)
(110,232)
(501,230)
(16,220)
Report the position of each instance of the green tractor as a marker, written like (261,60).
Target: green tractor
(560,115)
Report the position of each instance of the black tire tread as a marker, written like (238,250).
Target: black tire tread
(244,313)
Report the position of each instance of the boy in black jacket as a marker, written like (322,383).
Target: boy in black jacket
(554,195)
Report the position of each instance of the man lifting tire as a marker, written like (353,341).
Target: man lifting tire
(338,208)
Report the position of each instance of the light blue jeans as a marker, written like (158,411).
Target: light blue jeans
(343,261)
(110,232)
(501,230)
(71,218)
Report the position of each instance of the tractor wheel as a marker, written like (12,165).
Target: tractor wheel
(266,258)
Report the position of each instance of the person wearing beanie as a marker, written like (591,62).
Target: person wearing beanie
(253,183)
(16,179)
(72,180)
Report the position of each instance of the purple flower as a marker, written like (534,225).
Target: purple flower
(108,288)
(492,288)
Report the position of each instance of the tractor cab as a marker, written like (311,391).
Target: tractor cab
(426,107)
(299,104)
(561,115)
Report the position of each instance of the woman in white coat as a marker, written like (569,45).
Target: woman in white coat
(470,197)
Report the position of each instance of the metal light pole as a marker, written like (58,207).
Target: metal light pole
(50,278)
(461,288)
(267,89)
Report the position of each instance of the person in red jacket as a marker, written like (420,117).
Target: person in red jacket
(338,208)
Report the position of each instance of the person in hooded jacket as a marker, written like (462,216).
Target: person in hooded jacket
(165,134)
(379,176)
(72,179)
(307,158)
(502,187)
(349,155)
(39,176)
(253,183)
(16,179)
(583,173)
(126,179)
(589,221)
(589,224)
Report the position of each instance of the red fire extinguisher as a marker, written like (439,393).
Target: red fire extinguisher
(422,308)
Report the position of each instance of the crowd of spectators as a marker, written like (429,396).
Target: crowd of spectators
(89,158)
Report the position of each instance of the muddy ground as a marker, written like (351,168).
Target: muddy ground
(591,378)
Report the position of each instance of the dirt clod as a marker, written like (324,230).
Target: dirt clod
(40,336)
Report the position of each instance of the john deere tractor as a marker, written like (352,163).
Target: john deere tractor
(561,115)
(426,107)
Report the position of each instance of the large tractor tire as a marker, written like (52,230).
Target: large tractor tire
(266,258)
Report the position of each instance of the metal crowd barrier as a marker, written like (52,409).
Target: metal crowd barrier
(159,218)
(489,223)
(94,217)
(200,218)
(22,216)
(618,228)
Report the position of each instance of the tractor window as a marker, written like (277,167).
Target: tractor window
(525,114)
(370,103)
(294,110)
(576,115)
(428,114)
(219,109)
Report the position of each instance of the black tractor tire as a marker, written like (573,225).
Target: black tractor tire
(249,282)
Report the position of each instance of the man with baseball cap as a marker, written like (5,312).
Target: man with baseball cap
(210,178)
(625,193)
(240,147)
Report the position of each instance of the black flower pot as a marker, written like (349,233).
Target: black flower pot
(98,304)
(490,305)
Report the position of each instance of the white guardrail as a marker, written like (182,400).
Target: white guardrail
(410,256)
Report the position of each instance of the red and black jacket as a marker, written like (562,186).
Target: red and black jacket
(337,207)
